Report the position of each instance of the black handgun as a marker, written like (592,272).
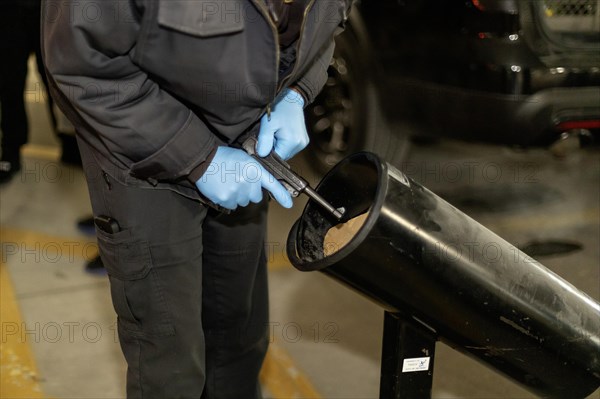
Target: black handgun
(285,175)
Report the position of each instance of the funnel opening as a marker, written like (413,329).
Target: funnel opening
(356,184)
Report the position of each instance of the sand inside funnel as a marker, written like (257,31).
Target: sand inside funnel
(338,236)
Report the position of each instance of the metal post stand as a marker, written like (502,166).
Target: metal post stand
(407,359)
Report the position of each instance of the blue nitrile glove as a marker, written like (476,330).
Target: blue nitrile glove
(234,179)
(285,129)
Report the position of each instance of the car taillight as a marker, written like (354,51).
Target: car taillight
(583,124)
(477,4)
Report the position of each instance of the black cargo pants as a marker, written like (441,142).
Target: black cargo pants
(189,287)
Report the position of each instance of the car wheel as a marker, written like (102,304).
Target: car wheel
(345,118)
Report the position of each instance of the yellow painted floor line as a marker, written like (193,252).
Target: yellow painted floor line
(278,261)
(18,373)
(281,377)
(48,152)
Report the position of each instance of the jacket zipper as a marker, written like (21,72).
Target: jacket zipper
(306,11)
(267,16)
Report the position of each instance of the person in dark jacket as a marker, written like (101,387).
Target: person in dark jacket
(162,94)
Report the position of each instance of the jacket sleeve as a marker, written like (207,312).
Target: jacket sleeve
(312,81)
(88,47)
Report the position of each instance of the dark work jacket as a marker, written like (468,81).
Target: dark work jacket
(153,86)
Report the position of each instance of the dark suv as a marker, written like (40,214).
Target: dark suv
(517,72)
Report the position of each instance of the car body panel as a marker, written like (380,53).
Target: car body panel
(478,70)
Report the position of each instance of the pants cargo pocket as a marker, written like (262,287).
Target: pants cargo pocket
(136,291)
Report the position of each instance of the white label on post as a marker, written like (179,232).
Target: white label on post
(415,364)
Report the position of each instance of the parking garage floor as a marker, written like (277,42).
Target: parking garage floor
(58,335)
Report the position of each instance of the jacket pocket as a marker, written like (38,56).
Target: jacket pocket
(202,18)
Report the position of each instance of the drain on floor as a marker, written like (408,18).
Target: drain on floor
(550,247)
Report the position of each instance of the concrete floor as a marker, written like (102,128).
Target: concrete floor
(331,334)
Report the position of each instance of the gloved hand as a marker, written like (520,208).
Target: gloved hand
(286,129)
(235,179)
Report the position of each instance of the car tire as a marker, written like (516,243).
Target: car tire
(346,118)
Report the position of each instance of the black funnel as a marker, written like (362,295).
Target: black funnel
(418,256)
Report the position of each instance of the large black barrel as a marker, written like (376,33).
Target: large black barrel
(419,256)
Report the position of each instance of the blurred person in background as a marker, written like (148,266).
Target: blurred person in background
(19,39)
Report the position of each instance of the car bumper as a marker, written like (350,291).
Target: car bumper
(526,120)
